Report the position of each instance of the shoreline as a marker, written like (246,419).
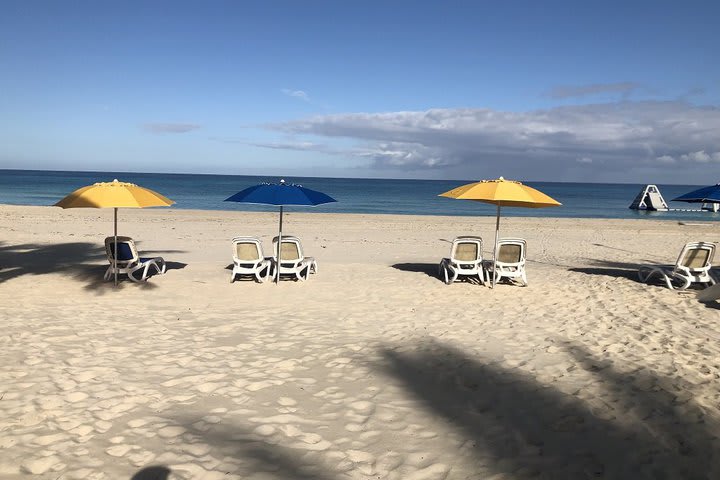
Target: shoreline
(311,211)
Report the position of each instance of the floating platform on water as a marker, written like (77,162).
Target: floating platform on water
(650,198)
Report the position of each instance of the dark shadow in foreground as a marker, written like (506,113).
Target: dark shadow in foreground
(158,472)
(256,456)
(533,430)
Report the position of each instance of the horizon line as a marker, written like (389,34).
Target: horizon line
(328,177)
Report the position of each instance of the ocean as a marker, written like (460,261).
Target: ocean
(354,195)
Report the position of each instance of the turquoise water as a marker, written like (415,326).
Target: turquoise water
(413,197)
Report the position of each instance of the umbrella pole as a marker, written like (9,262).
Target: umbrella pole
(497,231)
(115,255)
(277,274)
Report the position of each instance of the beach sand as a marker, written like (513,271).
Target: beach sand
(372,369)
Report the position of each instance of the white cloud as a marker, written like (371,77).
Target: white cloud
(296,94)
(696,157)
(584,160)
(537,143)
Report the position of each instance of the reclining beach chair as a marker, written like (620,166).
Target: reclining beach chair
(248,259)
(293,261)
(129,261)
(465,260)
(510,262)
(692,266)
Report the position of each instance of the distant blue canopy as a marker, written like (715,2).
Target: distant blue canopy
(701,195)
(280,194)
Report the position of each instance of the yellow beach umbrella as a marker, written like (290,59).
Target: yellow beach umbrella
(114,195)
(503,193)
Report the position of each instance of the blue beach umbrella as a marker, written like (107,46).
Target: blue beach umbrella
(702,195)
(281,194)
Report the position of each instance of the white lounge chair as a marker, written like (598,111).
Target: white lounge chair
(510,262)
(692,266)
(465,260)
(129,261)
(293,261)
(248,259)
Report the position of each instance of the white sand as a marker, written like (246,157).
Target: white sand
(373,369)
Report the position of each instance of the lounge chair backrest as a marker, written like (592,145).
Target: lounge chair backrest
(511,250)
(289,251)
(467,249)
(247,249)
(696,258)
(291,248)
(696,255)
(511,253)
(127,251)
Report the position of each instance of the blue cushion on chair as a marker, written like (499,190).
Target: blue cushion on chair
(124,251)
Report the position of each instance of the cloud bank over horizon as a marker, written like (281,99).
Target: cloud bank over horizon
(576,142)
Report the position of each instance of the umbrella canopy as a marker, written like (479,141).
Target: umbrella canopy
(701,195)
(114,195)
(280,194)
(503,193)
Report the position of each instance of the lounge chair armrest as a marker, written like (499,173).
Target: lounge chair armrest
(158,263)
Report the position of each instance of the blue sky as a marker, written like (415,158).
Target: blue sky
(569,91)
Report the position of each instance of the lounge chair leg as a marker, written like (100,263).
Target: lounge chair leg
(645,274)
(446,274)
(686,281)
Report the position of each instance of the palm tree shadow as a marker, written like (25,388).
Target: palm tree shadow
(533,430)
(77,259)
(80,261)
(238,442)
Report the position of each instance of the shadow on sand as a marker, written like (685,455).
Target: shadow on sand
(533,430)
(78,260)
(429,269)
(157,472)
(640,426)
(258,457)
(609,268)
(81,261)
